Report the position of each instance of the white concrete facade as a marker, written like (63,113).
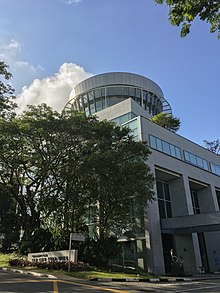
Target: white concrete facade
(185,217)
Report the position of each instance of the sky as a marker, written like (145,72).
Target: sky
(51,45)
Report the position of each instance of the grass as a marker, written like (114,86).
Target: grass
(4,262)
(4,258)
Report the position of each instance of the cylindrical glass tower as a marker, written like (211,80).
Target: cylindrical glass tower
(104,90)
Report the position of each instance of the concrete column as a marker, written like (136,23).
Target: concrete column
(180,194)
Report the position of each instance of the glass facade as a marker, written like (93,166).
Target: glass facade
(195,160)
(103,97)
(165,147)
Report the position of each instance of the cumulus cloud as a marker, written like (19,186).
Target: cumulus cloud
(53,90)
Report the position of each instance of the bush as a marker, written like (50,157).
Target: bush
(52,265)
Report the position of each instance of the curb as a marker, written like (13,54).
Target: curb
(149,280)
(28,273)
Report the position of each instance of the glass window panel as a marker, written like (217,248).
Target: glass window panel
(135,131)
(131,92)
(192,159)
(168,209)
(200,162)
(205,164)
(212,168)
(153,141)
(132,124)
(166,191)
(123,118)
(125,91)
(186,156)
(178,153)
(118,91)
(166,147)
(159,185)
(138,96)
(162,210)
(159,144)
(97,93)
(90,96)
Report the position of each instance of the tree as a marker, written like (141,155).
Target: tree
(9,219)
(6,93)
(118,175)
(167,121)
(213,146)
(57,167)
(183,12)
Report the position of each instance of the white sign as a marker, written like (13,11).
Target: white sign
(77,237)
(60,256)
(2,235)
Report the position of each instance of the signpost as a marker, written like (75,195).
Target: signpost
(74,237)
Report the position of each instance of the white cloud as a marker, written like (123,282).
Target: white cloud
(69,2)
(53,90)
(10,53)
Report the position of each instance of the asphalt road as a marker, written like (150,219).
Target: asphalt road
(17,283)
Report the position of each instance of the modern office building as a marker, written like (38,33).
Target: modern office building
(183,223)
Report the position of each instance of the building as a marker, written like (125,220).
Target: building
(183,223)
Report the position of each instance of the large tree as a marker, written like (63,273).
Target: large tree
(183,12)
(167,121)
(58,166)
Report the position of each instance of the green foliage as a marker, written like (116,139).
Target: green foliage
(98,252)
(56,167)
(213,146)
(9,219)
(167,121)
(185,11)
(6,93)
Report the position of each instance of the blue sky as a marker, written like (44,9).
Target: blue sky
(51,45)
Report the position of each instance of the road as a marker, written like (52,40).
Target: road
(17,283)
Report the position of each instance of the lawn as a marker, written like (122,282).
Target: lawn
(4,258)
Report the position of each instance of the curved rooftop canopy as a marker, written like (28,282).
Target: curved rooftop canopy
(104,90)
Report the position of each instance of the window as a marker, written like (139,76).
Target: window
(164,201)
(134,128)
(218,197)
(165,147)
(195,160)
(195,202)
(215,169)
(124,118)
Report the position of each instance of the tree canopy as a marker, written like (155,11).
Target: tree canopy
(71,173)
(167,121)
(213,146)
(183,12)
(6,92)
